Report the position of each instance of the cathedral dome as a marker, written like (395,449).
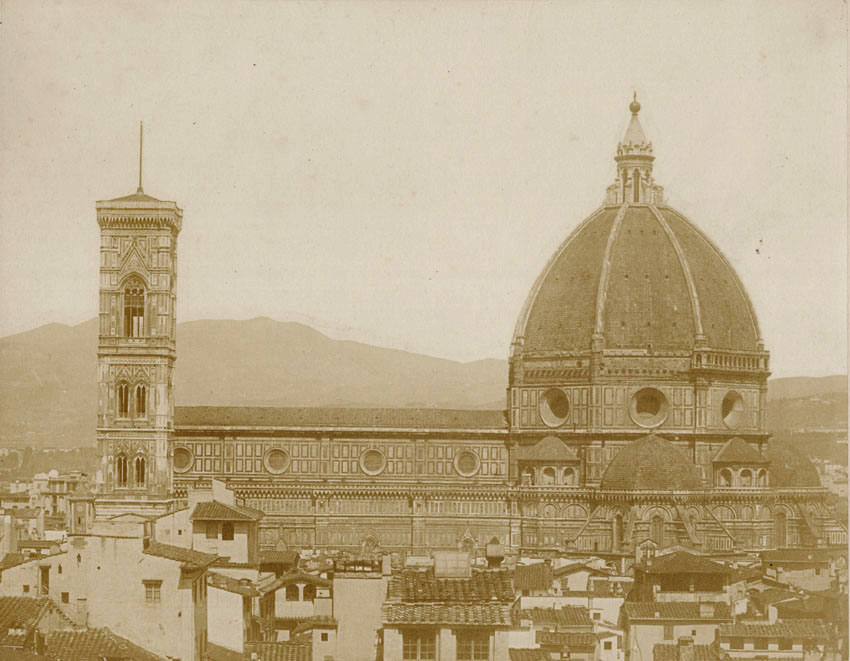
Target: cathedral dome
(652,464)
(637,274)
(789,467)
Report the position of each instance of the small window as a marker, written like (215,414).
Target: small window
(212,530)
(227,531)
(607,645)
(760,643)
(693,632)
(26,589)
(785,644)
(60,569)
(596,616)
(736,643)
(668,632)
(152,591)
(324,636)
(65,598)
(309,592)
(473,646)
(292,593)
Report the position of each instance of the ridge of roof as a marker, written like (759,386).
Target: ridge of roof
(737,451)
(215,510)
(188,558)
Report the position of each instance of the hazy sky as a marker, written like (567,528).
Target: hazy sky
(399,173)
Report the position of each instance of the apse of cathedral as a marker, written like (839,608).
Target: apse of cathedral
(634,416)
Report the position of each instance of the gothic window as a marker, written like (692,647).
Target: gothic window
(134,310)
(227,531)
(139,465)
(121,470)
(570,476)
(746,478)
(780,531)
(656,530)
(636,186)
(123,400)
(547,475)
(618,531)
(762,478)
(141,401)
(724,478)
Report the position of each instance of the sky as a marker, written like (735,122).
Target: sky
(399,173)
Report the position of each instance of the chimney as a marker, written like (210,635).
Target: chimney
(772,615)
(686,648)
(706,609)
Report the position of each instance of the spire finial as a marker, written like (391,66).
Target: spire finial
(139,189)
(634,106)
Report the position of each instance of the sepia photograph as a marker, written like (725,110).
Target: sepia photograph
(399,330)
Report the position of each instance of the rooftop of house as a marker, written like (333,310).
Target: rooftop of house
(243,586)
(533,654)
(422,586)
(566,616)
(188,558)
(93,645)
(538,576)
(788,556)
(17,614)
(300,576)
(293,650)
(784,629)
(490,614)
(213,510)
(682,562)
(286,558)
(575,567)
(574,640)
(671,652)
(676,610)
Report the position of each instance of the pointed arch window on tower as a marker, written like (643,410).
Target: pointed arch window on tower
(636,185)
(656,530)
(123,395)
(141,401)
(134,309)
(139,466)
(121,470)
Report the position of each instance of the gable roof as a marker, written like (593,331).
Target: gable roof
(293,650)
(213,510)
(675,610)
(566,616)
(682,562)
(570,639)
(538,576)
(786,556)
(422,586)
(188,558)
(575,567)
(550,448)
(18,613)
(738,451)
(494,614)
(257,416)
(94,645)
(670,652)
(786,629)
(530,654)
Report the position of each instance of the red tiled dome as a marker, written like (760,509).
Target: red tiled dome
(638,275)
(652,464)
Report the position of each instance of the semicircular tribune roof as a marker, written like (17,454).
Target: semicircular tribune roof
(638,275)
(652,464)
(789,467)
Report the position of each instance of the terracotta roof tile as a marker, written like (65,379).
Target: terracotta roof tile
(521,654)
(785,629)
(784,556)
(492,614)
(675,610)
(288,558)
(422,586)
(213,510)
(187,557)
(283,651)
(538,576)
(682,562)
(566,616)
(652,463)
(245,587)
(571,639)
(738,451)
(94,645)
(550,448)
(253,416)
(19,613)
(789,467)
(670,652)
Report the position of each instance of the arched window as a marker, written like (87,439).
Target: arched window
(569,476)
(121,470)
(618,532)
(134,309)
(292,592)
(762,478)
(746,478)
(141,401)
(123,394)
(724,478)
(527,476)
(139,464)
(656,530)
(547,475)
(309,592)
(227,531)
(636,185)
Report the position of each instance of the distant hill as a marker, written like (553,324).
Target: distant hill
(48,379)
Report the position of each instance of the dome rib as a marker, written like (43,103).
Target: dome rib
(522,321)
(686,271)
(602,292)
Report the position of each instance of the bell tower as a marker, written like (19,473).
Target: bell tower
(136,351)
